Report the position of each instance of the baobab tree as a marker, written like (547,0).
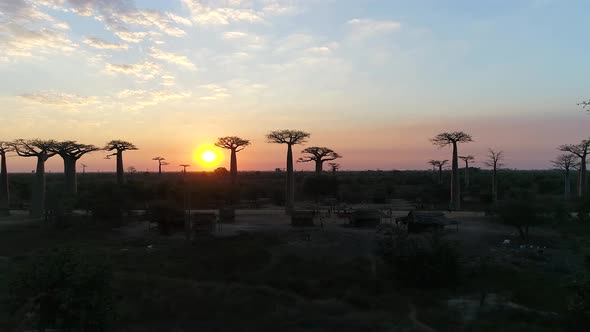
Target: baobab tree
(42,150)
(438,164)
(581,151)
(290,138)
(318,155)
(453,139)
(566,163)
(161,163)
(494,160)
(234,144)
(84,166)
(70,152)
(5,147)
(119,147)
(334,167)
(467,159)
(184,167)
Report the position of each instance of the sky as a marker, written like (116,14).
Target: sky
(371,79)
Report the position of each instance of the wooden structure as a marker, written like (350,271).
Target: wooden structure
(419,221)
(302,218)
(366,218)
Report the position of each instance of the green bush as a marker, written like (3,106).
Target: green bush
(424,261)
(64,290)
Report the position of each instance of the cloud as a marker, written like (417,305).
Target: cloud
(367,27)
(216,92)
(224,14)
(280,7)
(62,26)
(173,58)
(138,99)
(17,41)
(61,99)
(103,44)
(145,70)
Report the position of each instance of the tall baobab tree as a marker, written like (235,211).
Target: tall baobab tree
(453,139)
(494,160)
(119,147)
(5,147)
(42,150)
(289,137)
(566,163)
(161,162)
(467,160)
(234,144)
(581,150)
(84,166)
(184,167)
(334,167)
(319,155)
(71,152)
(438,164)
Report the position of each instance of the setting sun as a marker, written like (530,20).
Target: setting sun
(207,156)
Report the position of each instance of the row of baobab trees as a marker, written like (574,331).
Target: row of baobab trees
(573,158)
(72,151)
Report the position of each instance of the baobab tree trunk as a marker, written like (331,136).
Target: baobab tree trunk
(455,182)
(71,181)
(466,174)
(566,189)
(439,174)
(233,167)
(319,167)
(120,171)
(4,194)
(582,177)
(38,196)
(494,185)
(290,191)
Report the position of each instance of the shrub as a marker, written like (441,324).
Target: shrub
(579,301)
(424,261)
(168,215)
(64,290)
(519,213)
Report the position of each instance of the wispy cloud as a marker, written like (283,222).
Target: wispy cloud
(367,27)
(145,70)
(222,14)
(173,58)
(103,44)
(215,92)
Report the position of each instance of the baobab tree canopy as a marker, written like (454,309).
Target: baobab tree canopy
(72,149)
(566,162)
(119,145)
(34,147)
(316,153)
(445,139)
(287,136)
(232,143)
(467,159)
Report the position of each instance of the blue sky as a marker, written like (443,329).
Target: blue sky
(371,79)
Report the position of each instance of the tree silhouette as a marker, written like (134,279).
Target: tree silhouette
(234,144)
(438,164)
(70,152)
(494,160)
(84,166)
(580,150)
(467,159)
(184,167)
(289,137)
(319,155)
(334,167)
(566,162)
(585,104)
(5,147)
(42,150)
(161,163)
(119,147)
(453,139)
